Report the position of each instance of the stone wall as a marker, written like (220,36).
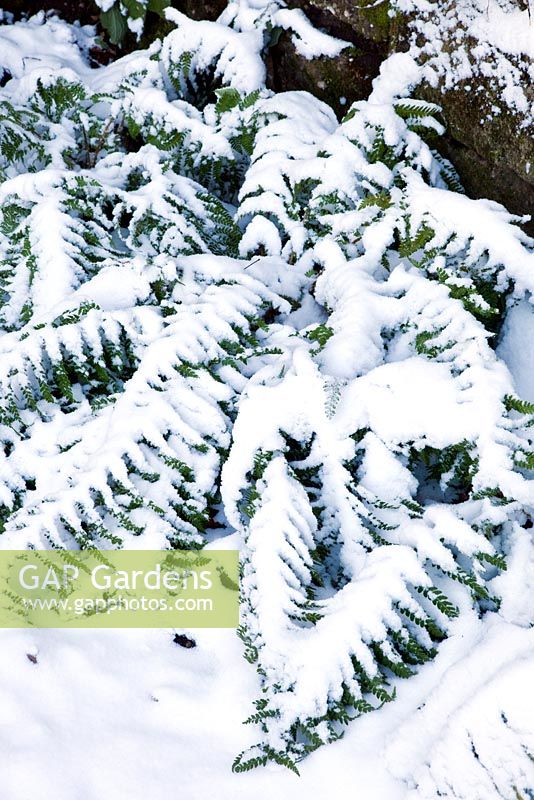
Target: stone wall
(494,154)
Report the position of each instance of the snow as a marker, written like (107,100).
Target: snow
(515,350)
(39,44)
(409,400)
(461,744)
(130,714)
(133,716)
(398,75)
(481,223)
(239,63)
(405,368)
(308,41)
(265,15)
(114,287)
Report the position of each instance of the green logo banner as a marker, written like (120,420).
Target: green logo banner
(119,588)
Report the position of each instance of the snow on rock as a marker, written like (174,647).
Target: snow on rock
(459,43)
(264,15)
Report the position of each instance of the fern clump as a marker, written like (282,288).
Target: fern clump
(221,306)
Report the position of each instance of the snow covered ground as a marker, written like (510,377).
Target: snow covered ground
(129,714)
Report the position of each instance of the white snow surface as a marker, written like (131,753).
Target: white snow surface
(129,714)
(516,350)
(38,44)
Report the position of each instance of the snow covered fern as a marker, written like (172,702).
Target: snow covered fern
(375,471)
(221,307)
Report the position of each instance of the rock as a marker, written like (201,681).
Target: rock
(494,155)
(207,9)
(184,641)
(341,80)
(355,21)
(491,147)
(338,81)
(84,10)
